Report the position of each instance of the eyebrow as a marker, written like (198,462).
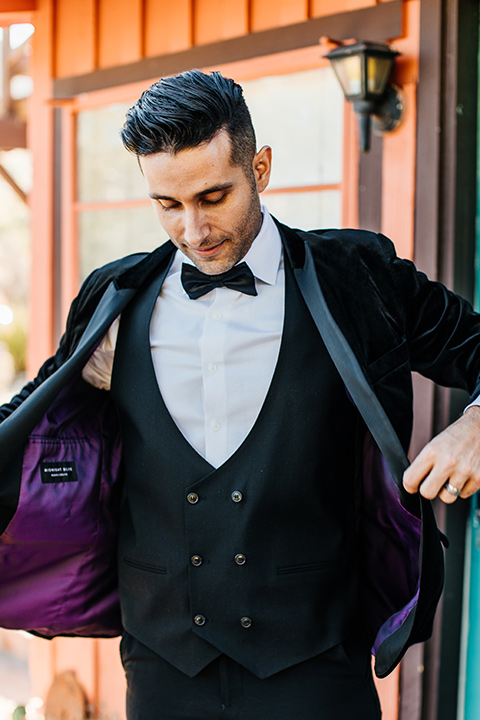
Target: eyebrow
(208,191)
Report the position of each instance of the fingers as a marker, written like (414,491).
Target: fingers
(418,471)
(449,465)
(449,493)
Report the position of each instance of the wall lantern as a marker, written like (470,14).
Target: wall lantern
(363,70)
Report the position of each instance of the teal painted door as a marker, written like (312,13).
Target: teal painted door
(469,700)
(471,664)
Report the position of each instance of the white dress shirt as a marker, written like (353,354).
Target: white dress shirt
(213,357)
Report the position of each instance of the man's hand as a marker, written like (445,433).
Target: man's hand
(451,457)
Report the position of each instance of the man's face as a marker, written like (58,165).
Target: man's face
(208,206)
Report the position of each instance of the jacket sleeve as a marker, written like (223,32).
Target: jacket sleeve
(441,328)
(79,315)
(393,315)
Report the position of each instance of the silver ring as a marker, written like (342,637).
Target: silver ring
(452,489)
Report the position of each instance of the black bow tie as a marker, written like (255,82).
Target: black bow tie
(197,283)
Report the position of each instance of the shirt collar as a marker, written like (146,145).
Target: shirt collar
(265,254)
(263,257)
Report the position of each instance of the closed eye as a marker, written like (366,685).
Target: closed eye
(168,207)
(214,198)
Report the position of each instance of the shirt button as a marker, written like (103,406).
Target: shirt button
(237,496)
(196,560)
(246,622)
(216,426)
(217,316)
(212,367)
(199,620)
(192,498)
(240,559)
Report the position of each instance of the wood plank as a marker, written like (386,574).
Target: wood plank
(328,7)
(75,49)
(168,27)
(398,171)
(119,32)
(215,20)
(266,14)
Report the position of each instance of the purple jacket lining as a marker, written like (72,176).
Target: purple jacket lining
(58,554)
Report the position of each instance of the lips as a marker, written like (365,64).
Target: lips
(207,252)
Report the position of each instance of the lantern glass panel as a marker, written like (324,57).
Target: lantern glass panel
(378,72)
(349,73)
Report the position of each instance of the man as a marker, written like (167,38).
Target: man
(264,405)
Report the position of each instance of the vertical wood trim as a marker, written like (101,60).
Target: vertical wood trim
(97,672)
(69,272)
(143,29)
(398,174)
(428,138)
(193,13)
(350,169)
(387,689)
(40,141)
(417,682)
(370,181)
(249,15)
(96,34)
(54,34)
(192,23)
(57,229)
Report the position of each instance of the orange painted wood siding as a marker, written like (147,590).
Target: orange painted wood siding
(399,147)
(217,20)
(13,6)
(75,37)
(332,7)
(168,27)
(93,34)
(120,32)
(267,14)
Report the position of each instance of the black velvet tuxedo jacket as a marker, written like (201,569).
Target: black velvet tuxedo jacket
(380,319)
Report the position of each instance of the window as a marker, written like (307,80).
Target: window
(300,115)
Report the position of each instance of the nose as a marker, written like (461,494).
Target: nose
(196,228)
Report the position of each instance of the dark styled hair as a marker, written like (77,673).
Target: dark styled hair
(186,110)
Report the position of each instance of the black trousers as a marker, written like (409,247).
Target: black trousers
(336,685)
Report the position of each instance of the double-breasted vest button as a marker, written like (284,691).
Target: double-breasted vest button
(240,559)
(237,496)
(196,560)
(246,622)
(192,498)
(199,620)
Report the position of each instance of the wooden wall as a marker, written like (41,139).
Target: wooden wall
(91,35)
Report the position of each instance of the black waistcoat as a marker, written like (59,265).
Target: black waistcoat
(256,559)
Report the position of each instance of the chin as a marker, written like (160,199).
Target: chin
(215,268)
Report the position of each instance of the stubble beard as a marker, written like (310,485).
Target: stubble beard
(237,244)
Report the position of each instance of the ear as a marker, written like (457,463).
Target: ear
(262,166)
